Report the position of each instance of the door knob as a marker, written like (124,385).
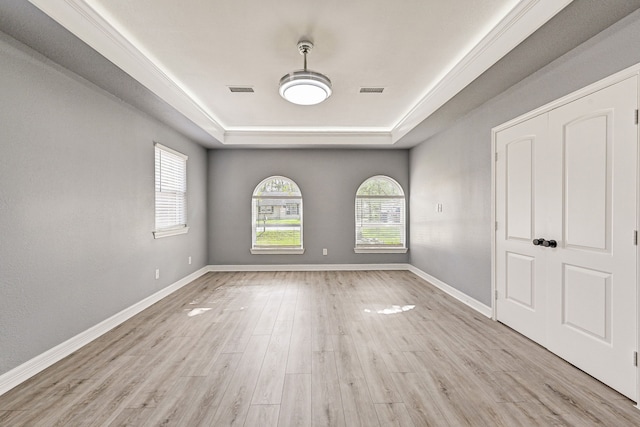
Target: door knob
(549,243)
(538,242)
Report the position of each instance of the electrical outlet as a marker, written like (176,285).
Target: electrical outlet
(189,260)
(157,273)
(324,251)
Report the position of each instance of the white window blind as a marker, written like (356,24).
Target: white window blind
(380,214)
(171,191)
(276,217)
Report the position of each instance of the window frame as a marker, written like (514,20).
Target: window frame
(275,250)
(381,249)
(178,228)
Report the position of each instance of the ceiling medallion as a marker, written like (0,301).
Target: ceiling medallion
(305,87)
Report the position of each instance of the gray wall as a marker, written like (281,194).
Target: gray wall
(454,167)
(77,206)
(328,180)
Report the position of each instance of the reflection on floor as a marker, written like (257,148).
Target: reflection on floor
(313,348)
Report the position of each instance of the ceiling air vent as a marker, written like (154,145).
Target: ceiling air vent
(371,89)
(243,89)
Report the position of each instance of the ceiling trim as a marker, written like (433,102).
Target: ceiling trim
(295,138)
(309,129)
(87,24)
(513,29)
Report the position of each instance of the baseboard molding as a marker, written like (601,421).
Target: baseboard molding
(450,290)
(309,267)
(462,297)
(39,363)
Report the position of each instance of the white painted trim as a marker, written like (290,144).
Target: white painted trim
(638,262)
(87,23)
(171,150)
(380,250)
(453,292)
(309,267)
(494,160)
(295,137)
(632,71)
(39,363)
(158,234)
(520,23)
(91,27)
(277,251)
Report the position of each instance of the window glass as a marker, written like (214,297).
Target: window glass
(171,191)
(277,215)
(380,214)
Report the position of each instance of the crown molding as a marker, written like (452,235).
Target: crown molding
(295,137)
(87,24)
(513,29)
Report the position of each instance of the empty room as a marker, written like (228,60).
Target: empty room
(329,213)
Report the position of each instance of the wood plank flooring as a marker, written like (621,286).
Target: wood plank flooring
(313,348)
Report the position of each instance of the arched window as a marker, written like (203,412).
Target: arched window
(276,217)
(380,216)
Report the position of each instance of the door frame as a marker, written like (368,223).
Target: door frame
(632,71)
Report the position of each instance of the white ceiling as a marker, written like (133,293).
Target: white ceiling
(422,52)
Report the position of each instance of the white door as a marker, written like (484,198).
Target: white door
(569,177)
(520,272)
(591,284)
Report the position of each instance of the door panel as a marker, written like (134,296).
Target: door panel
(591,281)
(570,175)
(520,283)
(586,302)
(519,277)
(519,182)
(587,169)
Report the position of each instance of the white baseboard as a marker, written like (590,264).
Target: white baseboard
(462,297)
(450,290)
(309,267)
(39,363)
(30,368)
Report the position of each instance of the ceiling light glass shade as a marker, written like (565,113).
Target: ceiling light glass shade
(305,87)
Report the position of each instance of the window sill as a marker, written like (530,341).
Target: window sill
(277,251)
(380,250)
(171,232)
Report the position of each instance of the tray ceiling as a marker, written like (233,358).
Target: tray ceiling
(191,53)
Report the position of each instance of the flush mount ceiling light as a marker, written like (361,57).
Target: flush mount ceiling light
(305,87)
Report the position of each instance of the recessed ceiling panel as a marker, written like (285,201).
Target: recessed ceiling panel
(191,53)
(209,45)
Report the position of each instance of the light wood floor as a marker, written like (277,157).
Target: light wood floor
(313,348)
